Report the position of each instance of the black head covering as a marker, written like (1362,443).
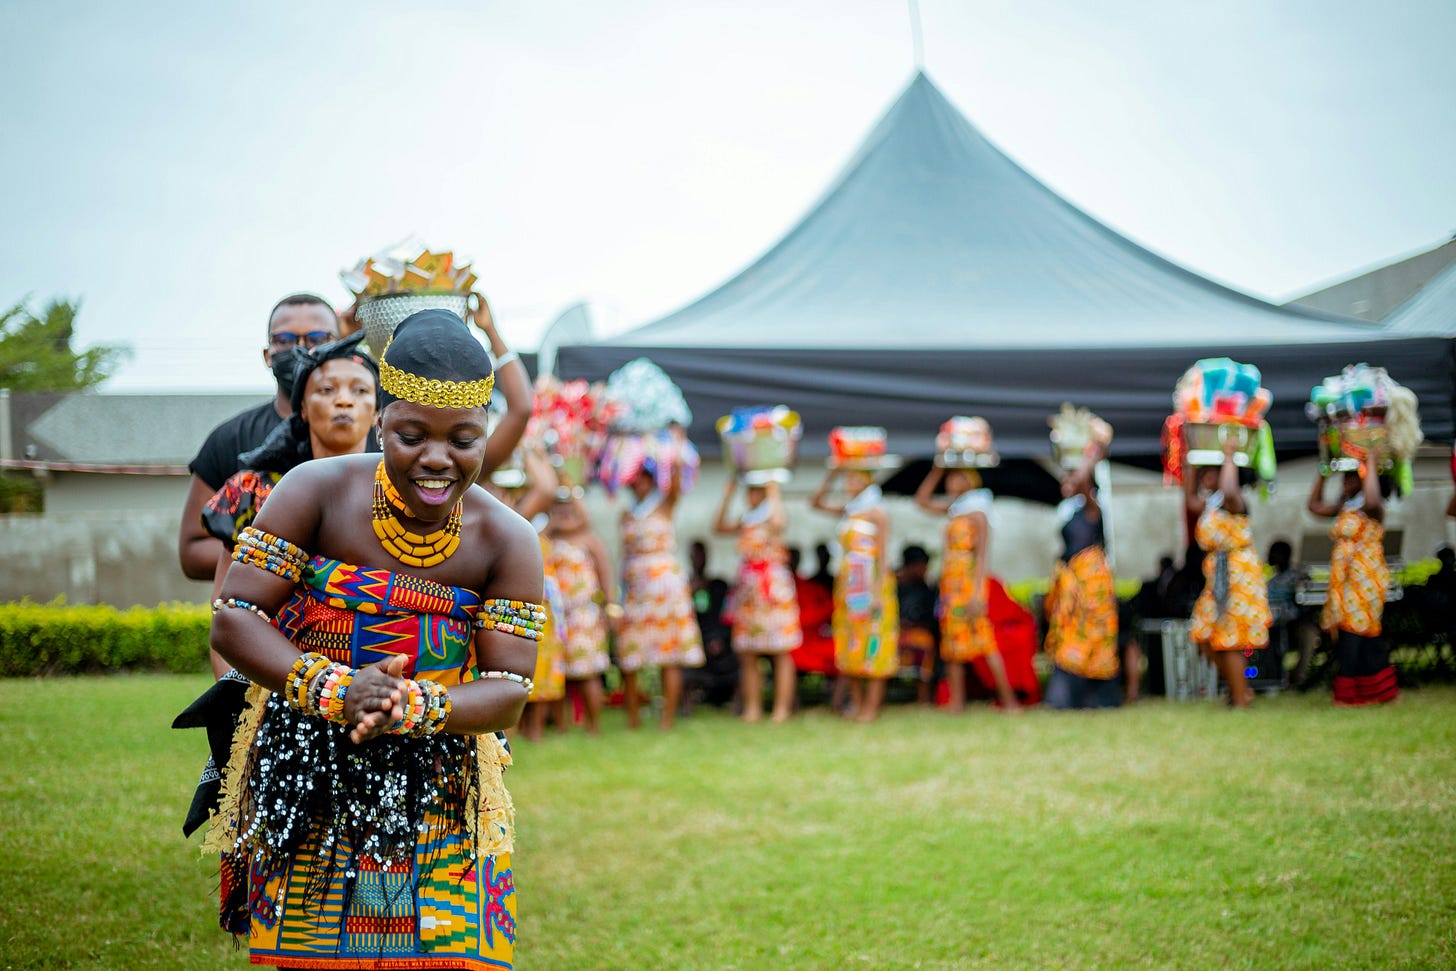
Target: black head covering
(435,345)
(288,444)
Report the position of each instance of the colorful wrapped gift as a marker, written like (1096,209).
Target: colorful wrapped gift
(645,405)
(571,418)
(404,279)
(1217,399)
(1074,430)
(1362,414)
(861,447)
(660,453)
(645,398)
(761,443)
(965,443)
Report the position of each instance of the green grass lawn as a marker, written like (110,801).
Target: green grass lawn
(1188,836)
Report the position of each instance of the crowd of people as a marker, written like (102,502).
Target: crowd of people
(461,614)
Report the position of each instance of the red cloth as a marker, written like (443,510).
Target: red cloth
(816,611)
(1016,641)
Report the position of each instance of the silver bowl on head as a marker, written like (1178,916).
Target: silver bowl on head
(381,313)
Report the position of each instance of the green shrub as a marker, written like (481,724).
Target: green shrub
(61,638)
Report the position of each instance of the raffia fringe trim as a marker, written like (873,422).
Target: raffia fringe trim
(223,828)
(496,815)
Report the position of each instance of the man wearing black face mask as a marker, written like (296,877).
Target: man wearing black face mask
(299,318)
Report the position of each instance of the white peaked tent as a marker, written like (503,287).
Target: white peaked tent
(1430,311)
(936,277)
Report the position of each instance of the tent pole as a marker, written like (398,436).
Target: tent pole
(917,41)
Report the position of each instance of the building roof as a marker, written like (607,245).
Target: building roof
(1431,311)
(119,430)
(933,238)
(1374,294)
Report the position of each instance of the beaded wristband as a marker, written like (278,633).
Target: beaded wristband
(242,605)
(300,677)
(414,710)
(437,708)
(524,682)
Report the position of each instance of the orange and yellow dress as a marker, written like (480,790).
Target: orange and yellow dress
(659,626)
(1232,613)
(586,623)
(964,637)
(1081,610)
(1358,575)
(549,681)
(765,603)
(866,611)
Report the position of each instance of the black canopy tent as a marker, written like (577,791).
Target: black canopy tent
(936,277)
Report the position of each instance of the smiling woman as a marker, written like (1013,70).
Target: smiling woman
(364,822)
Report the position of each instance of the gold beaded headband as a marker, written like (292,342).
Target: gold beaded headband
(433,392)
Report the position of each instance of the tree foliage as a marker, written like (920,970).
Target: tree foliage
(36,352)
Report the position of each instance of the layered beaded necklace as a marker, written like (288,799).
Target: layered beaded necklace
(409,548)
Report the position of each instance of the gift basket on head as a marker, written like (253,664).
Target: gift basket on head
(760,444)
(1076,434)
(570,419)
(1218,400)
(965,443)
(647,429)
(1364,416)
(860,448)
(402,280)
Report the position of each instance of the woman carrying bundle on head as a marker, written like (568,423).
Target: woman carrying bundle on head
(1370,429)
(364,821)
(866,612)
(764,604)
(658,627)
(966,631)
(1231,617)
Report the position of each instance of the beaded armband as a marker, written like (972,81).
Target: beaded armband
(521,680)
(268,552)
(519,617)
(241,605)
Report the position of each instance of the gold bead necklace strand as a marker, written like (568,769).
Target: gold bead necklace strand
(409,548)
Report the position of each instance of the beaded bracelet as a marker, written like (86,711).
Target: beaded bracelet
(524,682)
(242,605)
(268,552)
(437,708)
(519,617)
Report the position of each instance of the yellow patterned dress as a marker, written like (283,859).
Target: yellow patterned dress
(1232,613)
(659,626)
(586,623)
(866,610)
(1358,575)
(962,636)
(1081,611)
(549,681)
(765,605)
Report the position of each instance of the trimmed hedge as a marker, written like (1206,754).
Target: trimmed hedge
(59,638)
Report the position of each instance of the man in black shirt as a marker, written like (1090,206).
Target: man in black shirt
(299,318)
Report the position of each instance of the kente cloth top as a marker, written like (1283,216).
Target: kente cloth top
(358,615)
(236,504)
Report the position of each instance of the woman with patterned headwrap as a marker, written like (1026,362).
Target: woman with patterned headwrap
(386,611)
(335,402)
(1359,578)
(1231,617)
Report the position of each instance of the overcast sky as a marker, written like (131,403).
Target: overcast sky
(180,166)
